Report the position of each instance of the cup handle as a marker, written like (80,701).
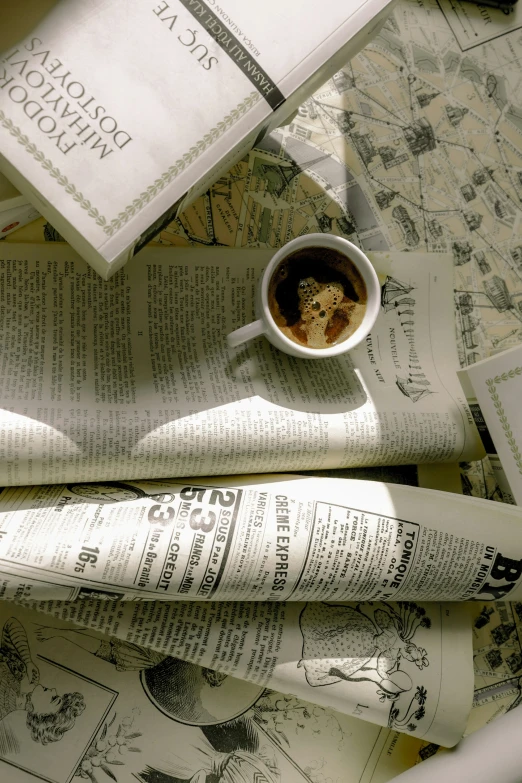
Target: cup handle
(248,332)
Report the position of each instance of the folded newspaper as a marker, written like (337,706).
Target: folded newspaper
(132,378)
(121,711)
(126,710)
(271,538)
(75,705)
(189,682)
(296,550)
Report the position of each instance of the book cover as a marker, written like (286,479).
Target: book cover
(494,396)
(10,197)
(12,219)
(115,113)
(15,209)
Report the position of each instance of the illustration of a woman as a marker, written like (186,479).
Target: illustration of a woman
(200,762)
(343,643)
(49,715)
(180,689)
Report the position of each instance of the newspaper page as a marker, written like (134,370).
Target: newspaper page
(75,708)
(493,388)
(132,377)
(474,24)
(406,666)
(502,490)
(284,538)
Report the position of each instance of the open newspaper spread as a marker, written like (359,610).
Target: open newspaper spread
(132,377)
(406,666)
(129,714)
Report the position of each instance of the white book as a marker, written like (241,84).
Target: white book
(114,114)
(13,219)
(10,197)
(15,209)
(493,388)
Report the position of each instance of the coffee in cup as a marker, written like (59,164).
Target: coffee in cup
(317,297)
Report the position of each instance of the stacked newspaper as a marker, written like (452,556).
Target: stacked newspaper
(277,627)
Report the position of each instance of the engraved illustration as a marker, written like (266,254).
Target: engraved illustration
(238,766)
(49,715)
(401,215)
(179,689)
(114,492)
(109,748)
(342,643)
(392,293)
(412,389)
(248,748)
(497,658)
(252,748)
(92,594)
(42,703)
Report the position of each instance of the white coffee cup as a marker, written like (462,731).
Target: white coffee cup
(265,324)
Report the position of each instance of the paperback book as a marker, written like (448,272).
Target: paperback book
(115,114)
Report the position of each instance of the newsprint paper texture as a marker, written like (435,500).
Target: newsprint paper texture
(262,732)
(296,740)
(280,538)
(119,712)
(132,378)
(405,666)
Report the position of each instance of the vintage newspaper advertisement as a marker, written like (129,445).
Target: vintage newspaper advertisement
(402,665)
(132,377)
(279,538)
(77,706)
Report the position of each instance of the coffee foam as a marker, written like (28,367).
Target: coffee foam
(325,305)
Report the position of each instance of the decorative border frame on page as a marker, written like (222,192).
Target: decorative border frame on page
(111,226)
(492,384)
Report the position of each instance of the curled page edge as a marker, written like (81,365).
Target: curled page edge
(493,753)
